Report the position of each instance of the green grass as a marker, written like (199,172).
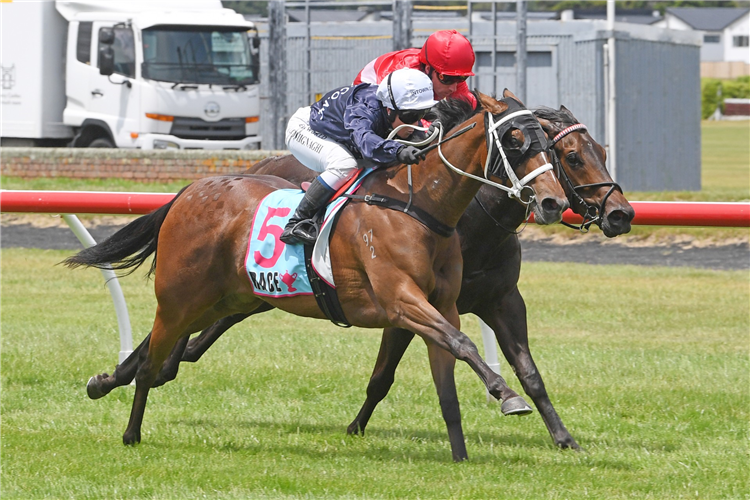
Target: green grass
(647,366)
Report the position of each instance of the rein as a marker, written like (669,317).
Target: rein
(593,213)
(517,189)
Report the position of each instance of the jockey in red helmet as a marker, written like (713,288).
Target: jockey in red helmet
(446,57)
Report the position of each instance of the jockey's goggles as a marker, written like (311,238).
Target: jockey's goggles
(450,79)
(412,115)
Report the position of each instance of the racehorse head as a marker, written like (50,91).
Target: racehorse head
(580,165)
(514,157)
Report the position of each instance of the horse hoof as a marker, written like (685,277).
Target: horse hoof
(515,406)
(94,388)
(131,439)
(354,430)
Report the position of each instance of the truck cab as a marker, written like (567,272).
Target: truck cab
(162,74)
(162,79)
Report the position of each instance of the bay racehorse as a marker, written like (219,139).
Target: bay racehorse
(492,264)
(200,241)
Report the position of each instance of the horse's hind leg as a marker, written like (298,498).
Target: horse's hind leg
(191,349)
(442,365)
(392,348)
(508,320)
(100,385)
(200,344)
(162,341)
(168,372)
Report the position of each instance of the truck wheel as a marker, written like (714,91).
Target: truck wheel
(101,142)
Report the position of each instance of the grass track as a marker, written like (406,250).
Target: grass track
(648,368)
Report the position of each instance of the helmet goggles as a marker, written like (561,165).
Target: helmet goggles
(450,79)
(412,115)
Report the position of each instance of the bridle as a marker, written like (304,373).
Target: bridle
(498,164)
(593,213)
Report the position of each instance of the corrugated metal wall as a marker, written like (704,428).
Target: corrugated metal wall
(658,116)
(658,82)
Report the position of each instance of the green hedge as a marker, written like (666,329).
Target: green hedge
(710,87)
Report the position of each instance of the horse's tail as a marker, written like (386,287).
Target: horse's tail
(129,247)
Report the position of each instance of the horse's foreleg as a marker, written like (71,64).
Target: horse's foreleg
(392,348)
(442,365)
(100,385)
(420,317)
(508,320)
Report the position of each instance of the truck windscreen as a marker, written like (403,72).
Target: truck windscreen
(199,55)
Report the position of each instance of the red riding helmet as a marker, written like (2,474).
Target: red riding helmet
(449,53)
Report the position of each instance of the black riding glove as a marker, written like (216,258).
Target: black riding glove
(409,155)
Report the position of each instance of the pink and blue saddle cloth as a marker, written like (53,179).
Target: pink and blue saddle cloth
(276,269)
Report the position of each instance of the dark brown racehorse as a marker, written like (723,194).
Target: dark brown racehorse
(200,241)
(492,262)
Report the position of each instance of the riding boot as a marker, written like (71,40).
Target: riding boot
(300,229)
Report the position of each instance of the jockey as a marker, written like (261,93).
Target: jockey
(347,124)
(446,57)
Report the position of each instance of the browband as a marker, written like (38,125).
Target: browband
(572,128)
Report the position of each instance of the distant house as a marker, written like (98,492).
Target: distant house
(726,37)
(632,16)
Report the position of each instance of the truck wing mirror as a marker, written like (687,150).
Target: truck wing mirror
(107,36)
(256,42)
(106,60)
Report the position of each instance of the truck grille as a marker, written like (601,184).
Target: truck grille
(196,128)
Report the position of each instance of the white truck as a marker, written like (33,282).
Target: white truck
(155,74)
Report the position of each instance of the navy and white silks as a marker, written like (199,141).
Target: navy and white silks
(343,127)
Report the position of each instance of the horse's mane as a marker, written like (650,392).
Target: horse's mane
(560,117)
(452,112)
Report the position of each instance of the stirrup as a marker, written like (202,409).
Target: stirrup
(304,231)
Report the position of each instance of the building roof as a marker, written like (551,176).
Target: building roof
(708,18)
(632,16)
(530,15)
(327,15)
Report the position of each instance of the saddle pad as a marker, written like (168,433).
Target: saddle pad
(321,257)
(276,269)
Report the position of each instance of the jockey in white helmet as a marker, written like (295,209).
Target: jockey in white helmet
(349,124)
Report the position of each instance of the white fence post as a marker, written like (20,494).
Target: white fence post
(121,308)
(490,351)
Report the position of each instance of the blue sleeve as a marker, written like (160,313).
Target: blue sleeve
(365,126)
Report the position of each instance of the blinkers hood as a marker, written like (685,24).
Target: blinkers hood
(535,140)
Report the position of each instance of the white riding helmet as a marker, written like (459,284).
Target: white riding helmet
(406,88)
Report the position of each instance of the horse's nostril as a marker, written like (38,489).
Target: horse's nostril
(619,217)
(550,205)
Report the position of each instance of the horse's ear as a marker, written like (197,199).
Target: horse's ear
(546,126)
(491,104)
(485,100)
(508,93)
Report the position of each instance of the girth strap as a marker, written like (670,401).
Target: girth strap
(325,295)
(415,212)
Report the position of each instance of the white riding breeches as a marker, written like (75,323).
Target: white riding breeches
(319,153)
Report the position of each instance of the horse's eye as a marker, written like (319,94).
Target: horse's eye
(573,159)
(513,142)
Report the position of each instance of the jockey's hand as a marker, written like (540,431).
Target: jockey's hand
(409,155)
(432,128)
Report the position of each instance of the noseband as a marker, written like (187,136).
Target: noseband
(593,213)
